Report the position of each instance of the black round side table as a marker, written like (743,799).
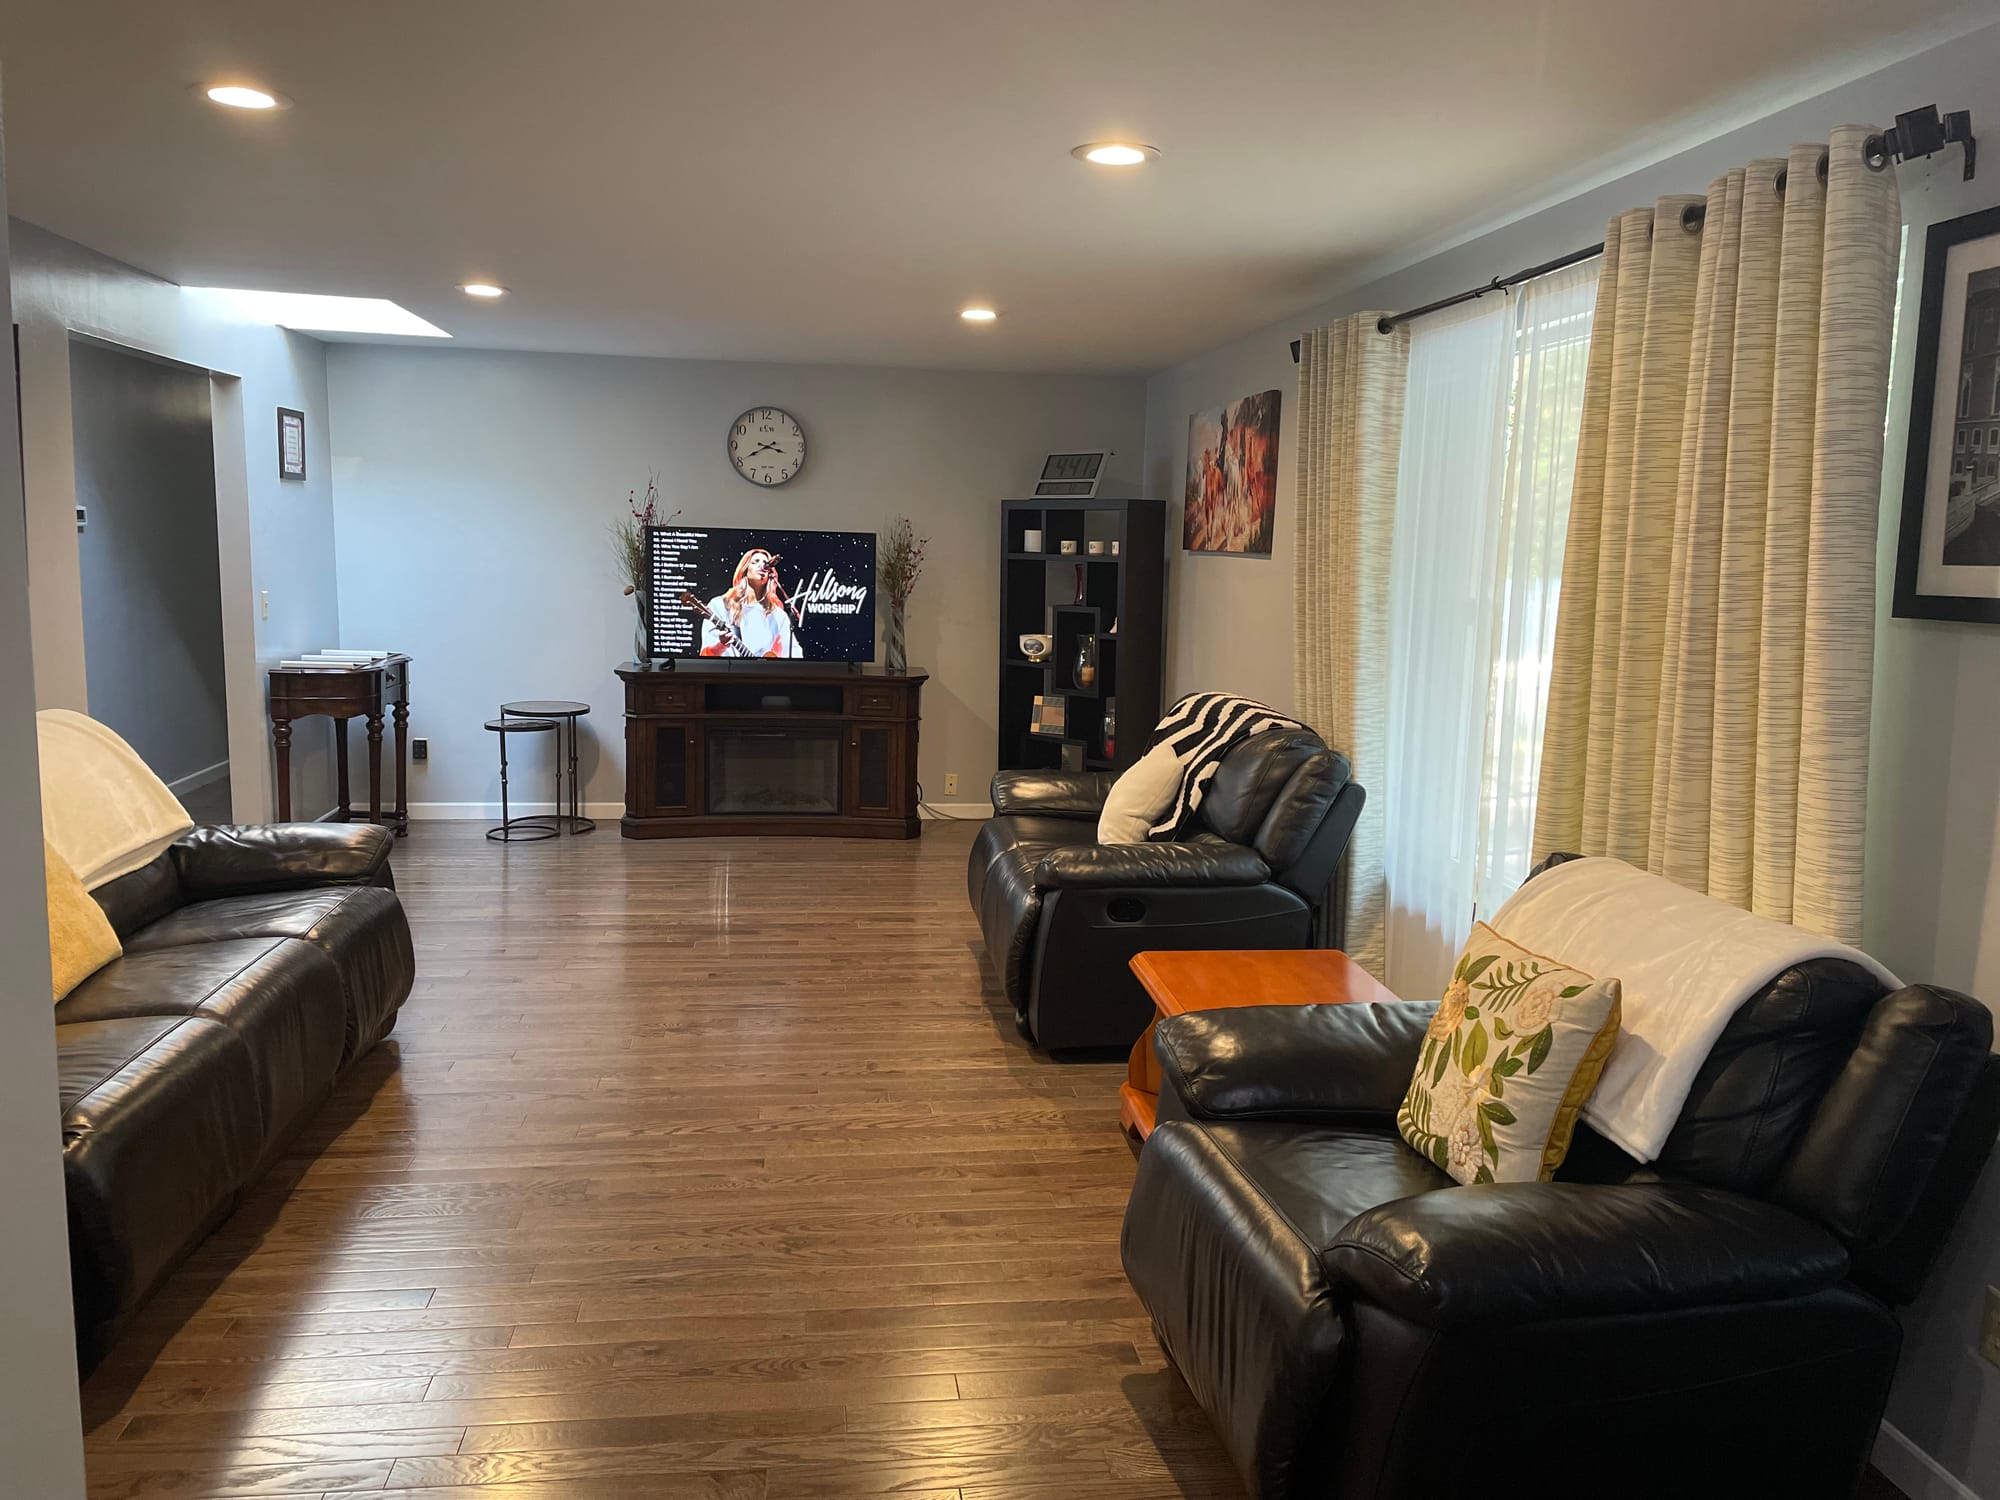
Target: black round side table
(563,709)
(530,827)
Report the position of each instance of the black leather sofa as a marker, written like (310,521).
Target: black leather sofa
(1062,914)
(259,964)
(1715,1324)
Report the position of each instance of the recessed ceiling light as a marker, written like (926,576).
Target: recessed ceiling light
(482,289)
(1115,153)
(241,96)
(978,314)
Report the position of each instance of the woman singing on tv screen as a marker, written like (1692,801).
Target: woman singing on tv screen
(753,610)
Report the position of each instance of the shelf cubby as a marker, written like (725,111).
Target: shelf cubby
(1038,593)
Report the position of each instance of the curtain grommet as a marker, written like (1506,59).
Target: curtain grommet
(1693,217)
(1874,154)
(1825,158)
(1778,182)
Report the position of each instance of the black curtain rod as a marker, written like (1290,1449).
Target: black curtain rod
(1917,133)
(1497,284)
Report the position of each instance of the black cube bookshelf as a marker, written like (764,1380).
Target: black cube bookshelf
(1116,598)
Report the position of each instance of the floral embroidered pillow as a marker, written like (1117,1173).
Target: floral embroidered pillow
(1508,1063)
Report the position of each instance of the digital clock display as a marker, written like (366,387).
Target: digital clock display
(1072,466)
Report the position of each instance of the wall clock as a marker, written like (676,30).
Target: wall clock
(767,445)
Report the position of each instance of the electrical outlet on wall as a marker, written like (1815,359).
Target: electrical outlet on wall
(420,748)
(951,783)
(1989,1328)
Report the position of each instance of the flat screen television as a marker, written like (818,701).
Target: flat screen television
(742,593)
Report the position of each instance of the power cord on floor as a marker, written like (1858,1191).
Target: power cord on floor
(938,814)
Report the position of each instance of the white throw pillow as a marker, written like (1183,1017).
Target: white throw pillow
(1141,797)
(1512,1054)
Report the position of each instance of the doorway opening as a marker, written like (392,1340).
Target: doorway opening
(149,562)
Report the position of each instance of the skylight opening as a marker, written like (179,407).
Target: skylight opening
(313,312)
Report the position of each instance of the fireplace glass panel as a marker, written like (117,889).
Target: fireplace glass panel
(780,772)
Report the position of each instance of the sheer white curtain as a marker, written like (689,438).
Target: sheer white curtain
(1440,635)
(1489,448)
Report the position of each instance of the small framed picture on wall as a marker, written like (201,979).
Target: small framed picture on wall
(1948,551)
(291,443)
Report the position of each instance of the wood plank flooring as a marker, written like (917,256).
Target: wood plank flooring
(709,1169)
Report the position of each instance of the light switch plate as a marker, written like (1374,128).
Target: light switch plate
(1989,1328)
(420,748)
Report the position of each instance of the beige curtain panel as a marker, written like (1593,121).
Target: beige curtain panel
(1708,705)
(1351,384)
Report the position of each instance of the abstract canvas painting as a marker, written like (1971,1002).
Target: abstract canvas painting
(1232,477)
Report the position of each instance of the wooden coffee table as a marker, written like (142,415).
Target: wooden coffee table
(1180,982)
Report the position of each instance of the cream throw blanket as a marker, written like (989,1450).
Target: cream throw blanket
(102,808)
(1687,962)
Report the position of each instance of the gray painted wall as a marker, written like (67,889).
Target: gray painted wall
(41,1433)
(473,490)
(1933,909)
(152,581)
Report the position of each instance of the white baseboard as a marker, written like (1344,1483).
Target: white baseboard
(518,807)
(194,781)
(1914,1471)
(523,807)
(972,811)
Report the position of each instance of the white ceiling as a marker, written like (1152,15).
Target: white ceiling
(829,180)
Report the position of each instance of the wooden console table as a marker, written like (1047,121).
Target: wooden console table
(770,748)
(1188,980)
(361,692)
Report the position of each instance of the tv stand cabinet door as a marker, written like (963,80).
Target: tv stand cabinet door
(877,770)
(662,768)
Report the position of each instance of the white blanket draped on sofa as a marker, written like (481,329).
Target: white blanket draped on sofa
(1687,963)
(102,807)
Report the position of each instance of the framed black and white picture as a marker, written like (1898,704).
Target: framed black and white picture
(291,443)
(1948,551)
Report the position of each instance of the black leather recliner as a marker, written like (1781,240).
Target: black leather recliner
(1062,914)
(260,964)
(1717,1323)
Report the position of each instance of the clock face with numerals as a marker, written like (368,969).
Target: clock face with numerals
(767,446)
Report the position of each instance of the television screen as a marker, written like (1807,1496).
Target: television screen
(732,592)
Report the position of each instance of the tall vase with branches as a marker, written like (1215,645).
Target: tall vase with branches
(902,561)
(628,547)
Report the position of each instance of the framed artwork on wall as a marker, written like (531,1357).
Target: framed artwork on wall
(1231,499)
(1948,550)
(291,443)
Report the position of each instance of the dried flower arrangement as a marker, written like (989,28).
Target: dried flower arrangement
(628,535)
(902,561)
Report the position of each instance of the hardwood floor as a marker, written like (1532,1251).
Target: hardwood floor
(693,1169)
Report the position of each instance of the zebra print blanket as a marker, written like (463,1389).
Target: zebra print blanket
(1202,728)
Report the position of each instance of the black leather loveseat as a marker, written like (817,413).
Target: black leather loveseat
(1716,1324)
(1062,914)
(259,963)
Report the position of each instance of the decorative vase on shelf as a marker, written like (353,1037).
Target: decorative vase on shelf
(893,658)
(1079,583)
(1086,661)
(642,646)
(1110,728)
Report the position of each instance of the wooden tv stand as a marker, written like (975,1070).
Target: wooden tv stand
(770,748)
